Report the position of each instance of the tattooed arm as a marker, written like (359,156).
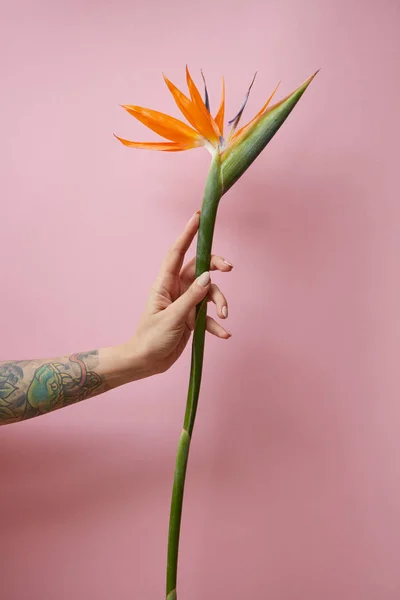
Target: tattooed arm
(34,387)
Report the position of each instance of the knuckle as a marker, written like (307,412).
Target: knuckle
(195,289)
(215,292)
(177,250)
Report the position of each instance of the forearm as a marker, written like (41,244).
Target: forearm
(33,387)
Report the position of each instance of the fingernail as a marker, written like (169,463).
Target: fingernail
(195,215)
(228,263)
(224,311)
(228,332)
(204,279)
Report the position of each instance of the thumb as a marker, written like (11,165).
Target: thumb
(181,308)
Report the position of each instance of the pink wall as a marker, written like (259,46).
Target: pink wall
(294,481)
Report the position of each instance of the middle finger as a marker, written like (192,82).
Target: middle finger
(217,263)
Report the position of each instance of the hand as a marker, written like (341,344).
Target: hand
(169,317)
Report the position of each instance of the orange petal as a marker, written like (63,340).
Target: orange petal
(258,114)
(219,119)
(191,112)
(267,102)
(214,132)
(164,146)
(164,125)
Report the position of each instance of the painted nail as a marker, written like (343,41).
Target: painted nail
(195,215)
(204,279)
(224,311)
(228,263)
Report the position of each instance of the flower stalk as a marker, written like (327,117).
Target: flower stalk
(212,196)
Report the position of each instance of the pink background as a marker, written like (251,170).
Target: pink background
(293,489)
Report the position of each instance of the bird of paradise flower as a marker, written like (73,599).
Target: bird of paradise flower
(231,156)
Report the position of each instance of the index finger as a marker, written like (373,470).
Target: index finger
(176,254)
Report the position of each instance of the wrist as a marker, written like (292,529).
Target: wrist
(134,362)
(124,364)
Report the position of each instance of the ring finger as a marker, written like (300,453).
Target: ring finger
(217,297)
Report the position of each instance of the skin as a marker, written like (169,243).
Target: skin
(34,387)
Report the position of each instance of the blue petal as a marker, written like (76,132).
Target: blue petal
(237,118)
(206,98)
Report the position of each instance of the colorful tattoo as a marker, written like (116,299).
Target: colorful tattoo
(51,385)
(11,401)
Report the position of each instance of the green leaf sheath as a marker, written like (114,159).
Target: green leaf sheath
(176,512)
(212,195)
(238,156)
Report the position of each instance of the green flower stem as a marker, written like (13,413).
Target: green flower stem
(212,195)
